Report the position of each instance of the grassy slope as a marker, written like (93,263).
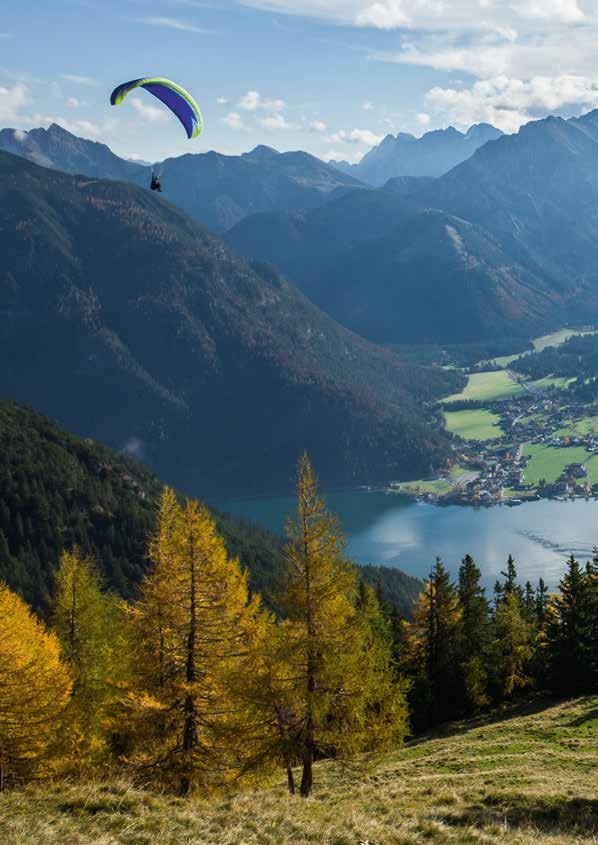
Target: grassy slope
(473,425)
(530,778)
(558,338)
(488,386)
(549,462)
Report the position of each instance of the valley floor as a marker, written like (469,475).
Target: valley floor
(531,777)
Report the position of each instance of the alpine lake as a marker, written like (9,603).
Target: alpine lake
(390,529)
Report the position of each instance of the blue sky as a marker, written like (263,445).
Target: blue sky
(328,76)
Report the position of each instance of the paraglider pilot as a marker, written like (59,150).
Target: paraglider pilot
(155,184)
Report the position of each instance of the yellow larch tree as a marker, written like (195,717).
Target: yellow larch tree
(35,690)
(338,692)
(89,625)
(199,626)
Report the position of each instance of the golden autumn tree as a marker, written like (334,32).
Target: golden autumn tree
(337,691)
(88,622)
(35,687)
(195,626)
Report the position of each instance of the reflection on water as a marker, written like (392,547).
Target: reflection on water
(397,531)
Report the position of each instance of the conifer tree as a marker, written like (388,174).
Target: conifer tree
(340,661)
(510,576)
(475,635)
(434,650)
(35,688)
(591,575)
(541,603)
(88,623)
(512,646)
(568,631)
(201,624)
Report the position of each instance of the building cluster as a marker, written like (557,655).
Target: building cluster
(497,468)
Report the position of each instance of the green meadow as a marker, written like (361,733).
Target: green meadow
(476,424)
(484,387)
(549,462)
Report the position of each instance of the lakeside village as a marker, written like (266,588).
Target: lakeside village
(490,472)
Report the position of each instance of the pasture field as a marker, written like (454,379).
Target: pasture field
(586,425)
(529,777)
(550,381)
(477,424)
(549,462)
(504,360)
(558,338)
(486,387)
(438,486)
(540,343)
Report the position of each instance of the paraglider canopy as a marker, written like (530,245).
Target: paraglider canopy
(179,101)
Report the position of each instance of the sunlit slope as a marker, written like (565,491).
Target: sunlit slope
(529,778)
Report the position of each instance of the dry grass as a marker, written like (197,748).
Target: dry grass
(530,778)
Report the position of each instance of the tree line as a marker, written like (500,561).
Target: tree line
(465,652)
(196,685)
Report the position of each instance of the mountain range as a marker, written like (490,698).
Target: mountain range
(434,154)
(132,324)
(217,190)
(503,244)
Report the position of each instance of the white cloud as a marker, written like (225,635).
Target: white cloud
(154,114)
(508,102)
(355,136)
(424,119)
(172,23)
(253,100)
(386,14)
(275,121)
(19,135)
(73,102)
(234,121)
(367,106)
(317,126)
(79,80)
(428,14)
(565,11)
(12,100)
(222,101)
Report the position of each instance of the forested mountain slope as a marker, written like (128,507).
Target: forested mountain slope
(395,273)
(131,324)
(58,491)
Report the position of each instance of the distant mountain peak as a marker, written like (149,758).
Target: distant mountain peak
(434,154)
(261,152)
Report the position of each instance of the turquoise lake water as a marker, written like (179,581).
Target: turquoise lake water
(397,531)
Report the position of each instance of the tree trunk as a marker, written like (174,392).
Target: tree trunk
(307,777)
(190,724)
(290,779)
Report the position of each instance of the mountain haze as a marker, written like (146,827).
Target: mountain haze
(434,154)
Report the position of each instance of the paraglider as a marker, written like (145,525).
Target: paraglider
(179,101)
